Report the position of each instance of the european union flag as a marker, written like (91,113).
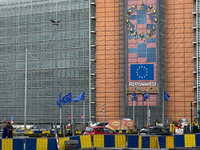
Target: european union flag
(134,96)
(146,96)
(59,100)
(165,96)
(142,72)
(79,98)
(67,98)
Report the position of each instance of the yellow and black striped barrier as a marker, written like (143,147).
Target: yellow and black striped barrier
(176,141)
(109,140)
(84,141)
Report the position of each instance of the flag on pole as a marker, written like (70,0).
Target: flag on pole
(59,100)
(134,96)
(165,96)
(79,98)
(67,98)
(146,96)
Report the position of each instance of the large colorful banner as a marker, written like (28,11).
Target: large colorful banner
(120,124)
(141,22)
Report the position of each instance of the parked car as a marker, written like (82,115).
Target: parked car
(155,131)
(184,122)
(98,130)
(103,124)
(143,131)
(41,127)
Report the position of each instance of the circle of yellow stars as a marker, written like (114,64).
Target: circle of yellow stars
(146,72)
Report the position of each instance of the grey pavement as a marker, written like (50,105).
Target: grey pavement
(112,148)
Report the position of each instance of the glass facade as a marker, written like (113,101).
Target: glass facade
(26,24)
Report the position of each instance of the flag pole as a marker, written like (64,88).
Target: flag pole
(133,111)
(60,111)
(148,112)
(60,114)
(84,110)
(25,90)
(147,108)
(163,109)
(72,119)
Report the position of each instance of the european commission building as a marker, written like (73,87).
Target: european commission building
(108,49)
(25,25)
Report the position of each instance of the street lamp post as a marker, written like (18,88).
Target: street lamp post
(56,23)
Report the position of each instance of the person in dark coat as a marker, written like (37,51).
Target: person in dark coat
(5,131)
(10,129)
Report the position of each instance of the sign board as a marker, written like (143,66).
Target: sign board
(172,127)
(11,121)
(178,131)
(121,124)
(82,117)
(179,124)
(11,118)
(74,120)
(103,111)
(69,117)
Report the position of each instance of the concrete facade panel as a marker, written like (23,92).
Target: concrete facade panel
(188,10)
(100,18)
(109,66)
(177,2)
(169,2)
(182,79)
(179,12)
(189,55)
(179,21)
(168,65)
(170,55)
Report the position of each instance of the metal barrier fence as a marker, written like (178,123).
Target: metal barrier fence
(43,143)
(136,141)
(117,131)
(109,141)
(59,131)
(118,141)
(176,141)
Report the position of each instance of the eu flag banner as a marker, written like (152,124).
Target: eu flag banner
(166,96)
(146,96)
(134,96)
(59,100)
(79,98)
(142,72)
(67,98)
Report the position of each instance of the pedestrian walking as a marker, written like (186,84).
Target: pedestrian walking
(5,131)
(10,130)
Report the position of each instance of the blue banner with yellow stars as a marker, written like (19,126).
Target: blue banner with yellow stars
(142,72)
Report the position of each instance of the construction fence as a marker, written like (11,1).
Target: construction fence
(114,141)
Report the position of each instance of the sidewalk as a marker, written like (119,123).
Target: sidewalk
(112,148)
